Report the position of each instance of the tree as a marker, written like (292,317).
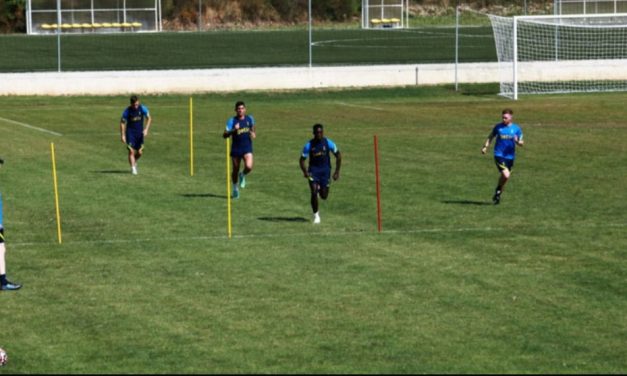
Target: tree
(12,16)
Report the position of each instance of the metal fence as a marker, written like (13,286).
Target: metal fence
(425,38)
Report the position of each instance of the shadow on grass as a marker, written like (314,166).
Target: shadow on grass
(467,202)
(193,195)
(282,219)
(112,172)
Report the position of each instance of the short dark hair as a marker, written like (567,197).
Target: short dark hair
(239,103)
(134,99)
(317,127)
(507,111)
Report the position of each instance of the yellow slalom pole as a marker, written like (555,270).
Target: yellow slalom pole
(191,137)
(56,193)
(228,186)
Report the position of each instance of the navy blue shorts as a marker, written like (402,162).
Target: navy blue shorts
(321,178)
(503,163)
(135,140)
(240,152)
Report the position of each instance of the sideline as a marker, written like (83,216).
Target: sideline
(29,126)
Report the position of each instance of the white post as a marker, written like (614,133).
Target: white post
(59,35)
(310,37)
(515,58)
(456,43)
(158,25)
(29,18)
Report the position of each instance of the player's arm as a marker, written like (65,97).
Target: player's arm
(338,164)
(253,132)
(303,168)
(148,122)
(123,130)
(487,142)
(519,139)
(303,158)
(231,129)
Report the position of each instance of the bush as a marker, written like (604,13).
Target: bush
(12,16)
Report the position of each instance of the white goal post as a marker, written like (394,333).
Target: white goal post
(384,14)
(561,54)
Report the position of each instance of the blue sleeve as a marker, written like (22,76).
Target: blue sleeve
(145,110)
(332,146)
(229,124)
(519,133)
(306,149)
(494,131)
(252,119)
(124,116)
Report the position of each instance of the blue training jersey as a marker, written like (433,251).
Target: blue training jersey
(318,153)
(241,140)
(134,118)
(505,146)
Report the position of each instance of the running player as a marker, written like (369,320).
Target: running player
(132,130)
(241,129)
(318,173)
(508,136)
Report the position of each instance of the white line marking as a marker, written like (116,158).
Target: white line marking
(360,106)
(299,234)
(30,126)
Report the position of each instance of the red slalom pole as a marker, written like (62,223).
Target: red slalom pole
(376,171)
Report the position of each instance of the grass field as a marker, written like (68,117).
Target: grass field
(218,49)
(146,280)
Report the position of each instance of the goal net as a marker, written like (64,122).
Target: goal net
(590,6)
(561,54)
(382,14)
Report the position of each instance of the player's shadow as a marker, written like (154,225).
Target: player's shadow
(467,202)
(282,219)
(211,195)
(111,172)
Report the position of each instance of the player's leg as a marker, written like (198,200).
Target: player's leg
(133,143)
(4,283)
(131,160)
(138,153)
(324,185)
(314,188)
(236,160)
(248,167)
(138,147)
(504,166)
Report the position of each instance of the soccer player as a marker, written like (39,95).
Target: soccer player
(318,150)
(132,130)
(241,129)
(508,135)
(4,283)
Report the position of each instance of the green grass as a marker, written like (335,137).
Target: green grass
(219,49)
(146,280)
